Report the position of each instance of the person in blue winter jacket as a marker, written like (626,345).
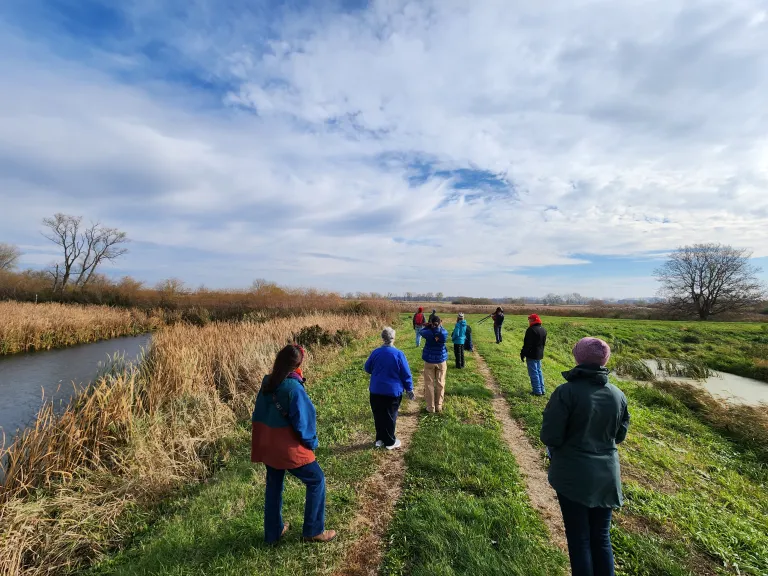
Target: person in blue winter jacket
(435,356)
(459,337)
(390,377)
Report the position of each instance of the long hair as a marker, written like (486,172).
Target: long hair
(287,360)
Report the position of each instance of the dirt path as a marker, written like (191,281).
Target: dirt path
(528,459)
(380,493)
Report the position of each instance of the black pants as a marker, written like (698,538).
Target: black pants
(458,352)
(384,410)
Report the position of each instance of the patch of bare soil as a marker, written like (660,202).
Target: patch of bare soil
(378,497)
(529,459)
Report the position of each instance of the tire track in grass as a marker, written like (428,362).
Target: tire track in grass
(541,494)
(379,495)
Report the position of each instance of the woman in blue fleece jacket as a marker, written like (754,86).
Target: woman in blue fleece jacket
(390,377)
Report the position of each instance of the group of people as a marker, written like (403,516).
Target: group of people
(584,420)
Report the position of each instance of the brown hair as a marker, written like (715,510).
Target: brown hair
(286,361)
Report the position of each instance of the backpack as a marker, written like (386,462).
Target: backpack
(418,319)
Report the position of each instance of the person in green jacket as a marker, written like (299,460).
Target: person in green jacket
(584,420)
(459,337)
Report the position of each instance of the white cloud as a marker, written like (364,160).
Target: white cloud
(625,128)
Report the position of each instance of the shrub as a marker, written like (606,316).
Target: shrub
(691,339)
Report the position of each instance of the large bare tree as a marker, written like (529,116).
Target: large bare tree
(9,255)
(708,279)
(83,248)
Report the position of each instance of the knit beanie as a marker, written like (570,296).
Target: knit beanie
(534,319)
(591,351)
(461,315)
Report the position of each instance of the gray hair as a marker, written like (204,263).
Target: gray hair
(388,335)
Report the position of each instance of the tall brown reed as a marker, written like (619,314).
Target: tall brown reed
(25,326)
(133,437)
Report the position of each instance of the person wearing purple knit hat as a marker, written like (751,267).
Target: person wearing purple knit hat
(584,420)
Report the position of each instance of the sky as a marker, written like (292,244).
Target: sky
(485,148)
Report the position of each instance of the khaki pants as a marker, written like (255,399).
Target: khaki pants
(434,385)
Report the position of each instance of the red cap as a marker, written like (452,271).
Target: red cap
(421,309)
(534,319)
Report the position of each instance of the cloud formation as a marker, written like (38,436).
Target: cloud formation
(433,145)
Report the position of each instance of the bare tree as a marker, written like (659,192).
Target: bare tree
(84,249)
(9,254)
(708,279)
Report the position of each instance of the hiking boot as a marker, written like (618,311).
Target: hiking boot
(378,444)
(326,536)
(397,444)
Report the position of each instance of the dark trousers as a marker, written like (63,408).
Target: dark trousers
(588,531)
(314,507)
(458,352)
(384,410)
(497,332)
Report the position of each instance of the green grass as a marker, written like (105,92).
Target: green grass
(695,500)
(218,527)
(464,509)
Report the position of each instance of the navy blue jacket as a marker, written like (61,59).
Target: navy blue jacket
(389,370)
(434,351)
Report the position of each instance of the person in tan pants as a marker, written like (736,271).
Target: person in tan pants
(435,356)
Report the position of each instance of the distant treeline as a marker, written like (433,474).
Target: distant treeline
(196,305)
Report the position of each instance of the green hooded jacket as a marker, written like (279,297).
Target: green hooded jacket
(584,420)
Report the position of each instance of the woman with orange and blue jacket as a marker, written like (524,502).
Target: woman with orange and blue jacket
(284,437)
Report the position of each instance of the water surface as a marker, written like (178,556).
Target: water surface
(731,387)
(25,379)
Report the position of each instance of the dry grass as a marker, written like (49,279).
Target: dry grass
(133,437)
(747,425)
(25,326)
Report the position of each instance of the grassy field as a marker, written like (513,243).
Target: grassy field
(697,502)
(129,456)
(83,482)
(25,327)
(464,509)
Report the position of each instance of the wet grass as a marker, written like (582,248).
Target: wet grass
(696,500)
(464,509)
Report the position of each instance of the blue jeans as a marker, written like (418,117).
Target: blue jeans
(536,376)
(588,531)
(497,332)
(314,508)
(418,336)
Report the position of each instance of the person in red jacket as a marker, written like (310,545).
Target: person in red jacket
(284,437)
(419,323)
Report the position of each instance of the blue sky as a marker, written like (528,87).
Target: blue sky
(492,147)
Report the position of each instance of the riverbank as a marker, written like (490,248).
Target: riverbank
(27,327)
(82,482)
(696,497)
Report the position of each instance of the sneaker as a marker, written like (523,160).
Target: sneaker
(379,444)
(326,536)
(397,444)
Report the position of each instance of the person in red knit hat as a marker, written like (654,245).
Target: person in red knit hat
(532,353)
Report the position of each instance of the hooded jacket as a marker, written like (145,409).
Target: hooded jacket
(459,334)
(584,420)
(280,442)
(434,351)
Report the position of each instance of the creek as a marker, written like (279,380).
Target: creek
(28,380)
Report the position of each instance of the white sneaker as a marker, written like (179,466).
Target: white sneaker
(379,444)
(397,444)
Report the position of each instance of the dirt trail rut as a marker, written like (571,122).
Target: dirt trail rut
(378,497)
(529,460)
